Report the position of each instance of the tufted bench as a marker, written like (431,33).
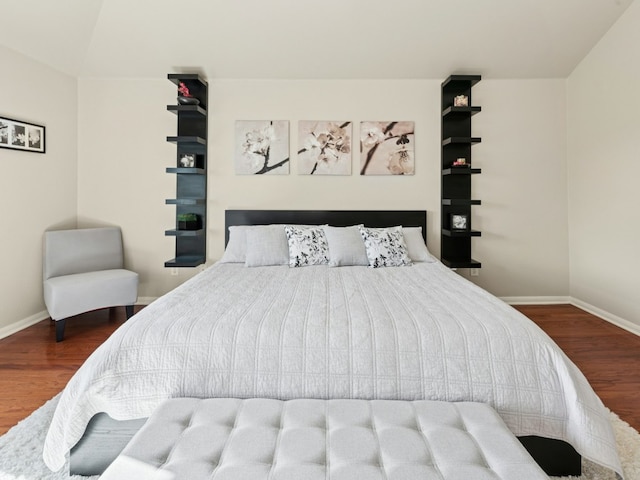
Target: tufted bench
(255,439)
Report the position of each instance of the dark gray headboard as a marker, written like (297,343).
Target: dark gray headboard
(337,218)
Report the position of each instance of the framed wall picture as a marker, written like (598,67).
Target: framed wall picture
(324,147)
(459,222)
(262,147)
(387,148)
(19,135)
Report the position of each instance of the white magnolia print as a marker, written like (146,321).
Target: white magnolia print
(324,148)
(262,147)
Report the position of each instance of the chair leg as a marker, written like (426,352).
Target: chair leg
(129,310)
(60,330)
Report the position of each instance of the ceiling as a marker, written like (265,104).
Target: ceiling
(298,39)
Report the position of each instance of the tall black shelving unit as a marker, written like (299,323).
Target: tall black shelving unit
(456,179)
(191,181)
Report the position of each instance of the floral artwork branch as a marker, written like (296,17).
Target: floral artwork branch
(327,148)
(257,142)
(387,148)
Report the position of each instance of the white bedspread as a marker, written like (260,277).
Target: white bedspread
(410,333)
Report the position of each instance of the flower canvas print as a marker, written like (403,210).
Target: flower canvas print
(387,148)
(262,147)
(324,148)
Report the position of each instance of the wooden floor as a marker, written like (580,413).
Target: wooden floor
(34,368)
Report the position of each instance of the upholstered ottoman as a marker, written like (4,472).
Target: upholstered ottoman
(255,439)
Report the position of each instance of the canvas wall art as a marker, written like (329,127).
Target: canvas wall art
(19,135)
(262,147)
(387,148)
(324,148)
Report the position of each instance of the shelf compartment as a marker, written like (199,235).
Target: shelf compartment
(187,170)
(185,261)
(461,171)
(461,110)
(461,233)
(460,202)
(469,80)
(454,140)
(176,78)
(188,140)
(458,263)
(187,110)
(184,233)
(185,201)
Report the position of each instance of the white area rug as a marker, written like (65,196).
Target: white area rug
(21,451)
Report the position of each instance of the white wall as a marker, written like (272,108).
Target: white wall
(523,216)
(123,154)
(604,169)
(37,191)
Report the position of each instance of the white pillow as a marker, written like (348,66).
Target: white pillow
(346,246)
(385,247)
(307,246)
(266,245)
(236,250)
(417,249)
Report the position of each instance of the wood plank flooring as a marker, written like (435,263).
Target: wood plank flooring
(34,368)
(607,355)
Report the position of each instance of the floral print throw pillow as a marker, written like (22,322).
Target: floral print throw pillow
(307,246)
(385,247)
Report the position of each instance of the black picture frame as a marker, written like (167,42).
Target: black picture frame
(459,222)
(23,136)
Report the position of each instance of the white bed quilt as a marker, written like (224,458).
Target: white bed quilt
(409,333)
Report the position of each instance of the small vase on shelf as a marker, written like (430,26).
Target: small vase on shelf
(188,100)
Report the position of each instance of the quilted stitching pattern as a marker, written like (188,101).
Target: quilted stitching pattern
(219,439)
(351,332)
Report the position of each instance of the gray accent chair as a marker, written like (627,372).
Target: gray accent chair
(83,271)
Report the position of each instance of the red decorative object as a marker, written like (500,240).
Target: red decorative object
(183,90)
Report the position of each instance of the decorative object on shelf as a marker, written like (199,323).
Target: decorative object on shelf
(460,162)
(189,221)
(188,160)
(459,222)
(324,147)
(19,135)
(185,97)
(262,147)
(387,148)
(460,101)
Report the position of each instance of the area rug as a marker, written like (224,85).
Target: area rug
(21,451)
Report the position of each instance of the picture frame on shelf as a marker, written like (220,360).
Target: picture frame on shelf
(460,101)
(459,222)
(187,160)
(19,135)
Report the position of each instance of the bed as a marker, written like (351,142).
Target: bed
(272,331)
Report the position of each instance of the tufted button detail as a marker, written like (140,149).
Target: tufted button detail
(325,440)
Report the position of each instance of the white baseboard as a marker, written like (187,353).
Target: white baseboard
(598,312)
(38,317)
(536,300)
(609,317)
(22,324)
